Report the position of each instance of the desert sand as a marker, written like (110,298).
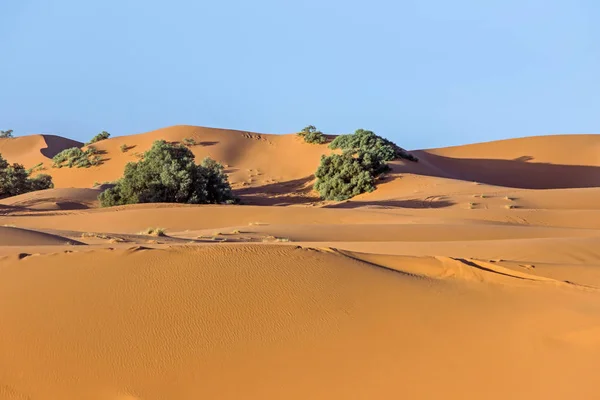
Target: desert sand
(473,274)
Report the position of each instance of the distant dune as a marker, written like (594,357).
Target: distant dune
(472,274)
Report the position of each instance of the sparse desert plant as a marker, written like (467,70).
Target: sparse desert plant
(168,174)
(312,135)
(124,148)
(36,167)
(16,180)
(101,136)
(78,158)
(153,232)
(189,142)
(6,134)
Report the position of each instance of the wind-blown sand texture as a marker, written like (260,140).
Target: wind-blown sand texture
(474,274)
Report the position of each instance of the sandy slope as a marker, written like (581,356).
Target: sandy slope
(472,274)
(11,236)
(282,322)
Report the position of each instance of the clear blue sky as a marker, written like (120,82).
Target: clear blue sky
(424,73)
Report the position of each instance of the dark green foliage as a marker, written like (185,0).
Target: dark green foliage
(367,141)
(101,136)
(168,174)
(15,180)
(75,157)
(6,134)
(342,176)
(312,135)
(41,182)
(363,159)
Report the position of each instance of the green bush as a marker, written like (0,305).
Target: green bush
(312,135)
(124,148)
(363,159)
(367,141)
(168,174)
(15,180)
(101,136)
(342,176)
(189,142)
(75,157)
(6,134)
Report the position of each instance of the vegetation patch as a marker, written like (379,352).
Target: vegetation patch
(153,232)
(312,135)
(168,173)
(101,136)
(364,158)
(189,142)
(77,158)
(16,180)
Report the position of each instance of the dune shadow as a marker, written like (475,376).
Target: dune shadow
(56,144)
(508,173)
(412,203)
(297,191)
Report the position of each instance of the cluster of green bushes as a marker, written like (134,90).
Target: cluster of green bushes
(364,158)
(167,173)
(101,136)
(16,180)
(78,158)
(312,135)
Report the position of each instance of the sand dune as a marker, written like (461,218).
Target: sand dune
(474,273)
(284,322)
(11,236)
(55,199)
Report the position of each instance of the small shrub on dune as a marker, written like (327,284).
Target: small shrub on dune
(16,180)
(124,148)
(78,158)
(101,136)
(6,134)
(189,142)
(153,232)
(342,176)
(312,135)
(168,174)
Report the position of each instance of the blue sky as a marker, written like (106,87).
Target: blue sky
(424,73)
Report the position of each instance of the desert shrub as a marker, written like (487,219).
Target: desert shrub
(101,136)
(168,174)
(15,180)
(36,167)
(342,176)
(153,232)
(367,141)
(6,134)
(124,148)
(363,159)
(189,142)
(312,135)
(76,157)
